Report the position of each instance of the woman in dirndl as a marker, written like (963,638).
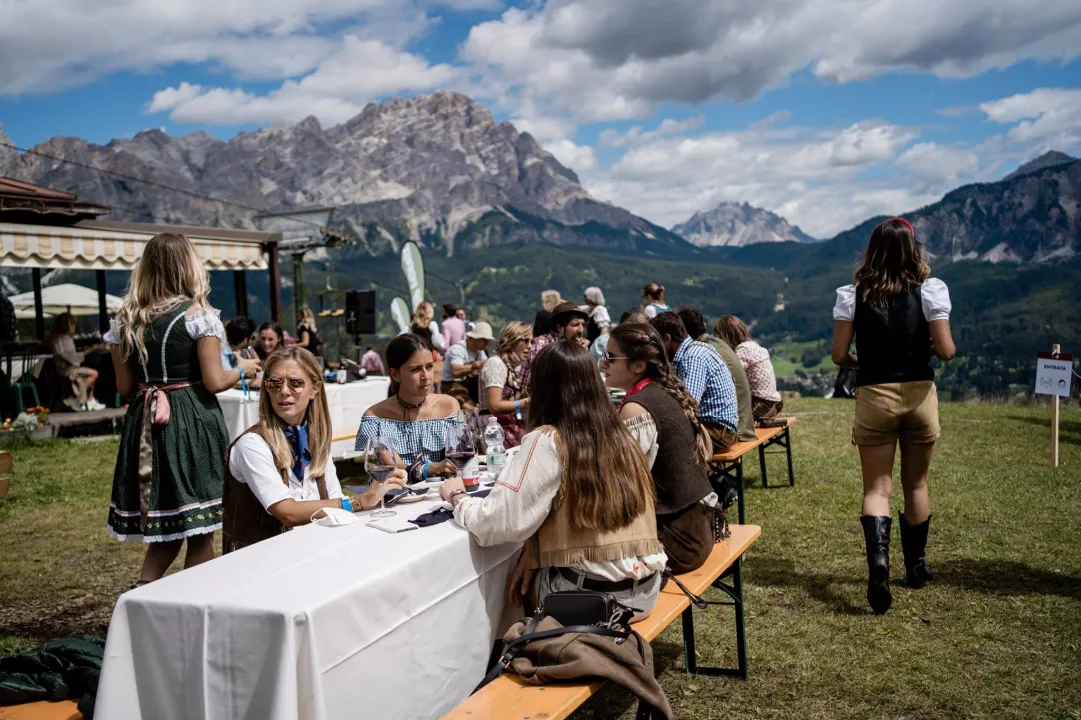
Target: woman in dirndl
(166,348)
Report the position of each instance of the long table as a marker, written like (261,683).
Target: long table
(318,623)
(347,404)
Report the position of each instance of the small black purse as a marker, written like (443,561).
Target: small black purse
(578,611)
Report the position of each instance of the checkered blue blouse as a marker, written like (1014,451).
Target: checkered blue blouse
(708,381)
(413,439)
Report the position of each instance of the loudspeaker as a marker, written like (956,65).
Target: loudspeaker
(360,312)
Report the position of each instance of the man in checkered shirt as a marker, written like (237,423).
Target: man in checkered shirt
(706,377)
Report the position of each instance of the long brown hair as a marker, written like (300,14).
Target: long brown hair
(892,264)
(732,330)
(605,478)
(170,269)
(270,426)
(64,324)
(641,342)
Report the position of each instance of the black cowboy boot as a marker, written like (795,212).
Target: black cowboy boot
(913,543)
(876,533)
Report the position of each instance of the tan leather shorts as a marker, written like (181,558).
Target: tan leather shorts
(892,411)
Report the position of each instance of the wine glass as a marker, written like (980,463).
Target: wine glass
(461,445)
(380,461)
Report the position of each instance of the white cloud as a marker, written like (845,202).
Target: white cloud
(1050,117)
(47,46)
(619,59)
(334,92)
(639,136)
(935,166)
(579,158)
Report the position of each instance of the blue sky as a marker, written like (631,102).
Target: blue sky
(824,112)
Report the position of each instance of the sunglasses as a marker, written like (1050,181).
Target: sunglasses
(609,358)
(275,384)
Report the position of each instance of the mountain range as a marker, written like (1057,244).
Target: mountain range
(732,224)
(440,170)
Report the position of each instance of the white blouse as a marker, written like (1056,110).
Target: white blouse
(521,500)
(934,296)
(205,322)
(252,463)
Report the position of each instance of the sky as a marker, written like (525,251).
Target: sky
(825,112)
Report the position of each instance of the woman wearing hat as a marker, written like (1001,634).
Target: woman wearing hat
(568,323)
(462,364)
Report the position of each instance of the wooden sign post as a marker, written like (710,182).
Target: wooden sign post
(1054,373)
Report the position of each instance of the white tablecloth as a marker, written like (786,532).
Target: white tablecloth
(347,405)
(318,623)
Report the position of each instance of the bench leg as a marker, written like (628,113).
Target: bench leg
(739,497)
(762,464)
(734,591)
(788,449)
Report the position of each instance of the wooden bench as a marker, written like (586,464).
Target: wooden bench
(63,710)
(510,697)
(730,462)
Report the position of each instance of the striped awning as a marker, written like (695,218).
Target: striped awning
(43,246)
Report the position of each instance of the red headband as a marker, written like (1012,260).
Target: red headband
(907,224)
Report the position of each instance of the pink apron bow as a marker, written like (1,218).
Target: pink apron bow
(160,404)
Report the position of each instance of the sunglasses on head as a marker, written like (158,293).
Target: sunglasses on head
(276,383)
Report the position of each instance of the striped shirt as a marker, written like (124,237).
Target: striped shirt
(709,382)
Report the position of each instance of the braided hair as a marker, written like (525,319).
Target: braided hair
(641,342)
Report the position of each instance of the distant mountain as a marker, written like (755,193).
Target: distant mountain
(1048,159)
(735,225)
(437,169)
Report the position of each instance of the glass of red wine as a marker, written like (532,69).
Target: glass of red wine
(461,445)
(380,461)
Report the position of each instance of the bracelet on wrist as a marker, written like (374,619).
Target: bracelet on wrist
(347,505)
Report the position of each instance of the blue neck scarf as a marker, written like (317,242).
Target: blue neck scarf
(297,435)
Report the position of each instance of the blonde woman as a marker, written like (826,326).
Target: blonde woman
(68,363)
(425,326)
(166,348)
(307,335)
(280,474)
(542,323)
(501,389)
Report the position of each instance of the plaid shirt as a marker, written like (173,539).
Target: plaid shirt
(534,350)
(708,381)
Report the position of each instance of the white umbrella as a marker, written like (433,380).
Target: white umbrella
(56,299)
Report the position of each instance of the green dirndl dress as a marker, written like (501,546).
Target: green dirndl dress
(169,477)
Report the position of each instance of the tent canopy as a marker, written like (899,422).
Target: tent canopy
(101,245)
(56,299)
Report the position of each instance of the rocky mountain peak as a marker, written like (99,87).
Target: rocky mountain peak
(9,156)
(736,224)
(1048,159)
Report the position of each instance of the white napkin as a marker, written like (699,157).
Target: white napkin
(335,517)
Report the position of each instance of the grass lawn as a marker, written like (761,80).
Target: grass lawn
(998,634)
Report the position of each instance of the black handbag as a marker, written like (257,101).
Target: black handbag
(578,611)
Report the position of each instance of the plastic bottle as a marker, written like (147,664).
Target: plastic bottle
(493,443)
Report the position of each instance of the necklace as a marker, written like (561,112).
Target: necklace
(406,407)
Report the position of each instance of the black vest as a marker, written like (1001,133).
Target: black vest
(593,330)
(893,344)
(680,480)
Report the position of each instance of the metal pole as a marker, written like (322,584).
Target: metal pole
(1055,350)
(240,292)
(300,289)
(39,308)
(103,310)
(274,273)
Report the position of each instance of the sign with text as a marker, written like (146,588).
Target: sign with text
(1053,374)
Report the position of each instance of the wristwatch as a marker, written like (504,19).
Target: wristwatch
(454,494)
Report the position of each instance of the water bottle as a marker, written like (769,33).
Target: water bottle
(493,443)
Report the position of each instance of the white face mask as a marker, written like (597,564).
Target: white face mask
(334,516)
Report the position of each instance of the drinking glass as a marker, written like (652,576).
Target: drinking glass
(461,445)
(380,461)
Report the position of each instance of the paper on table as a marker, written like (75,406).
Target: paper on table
(392,525)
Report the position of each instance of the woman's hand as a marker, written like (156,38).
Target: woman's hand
(248,367)
(370,497)
(450,486)
(443,468)
(520,579)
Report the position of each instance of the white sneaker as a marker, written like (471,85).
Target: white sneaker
(95,404)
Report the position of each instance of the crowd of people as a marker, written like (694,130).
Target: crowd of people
(605,495)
